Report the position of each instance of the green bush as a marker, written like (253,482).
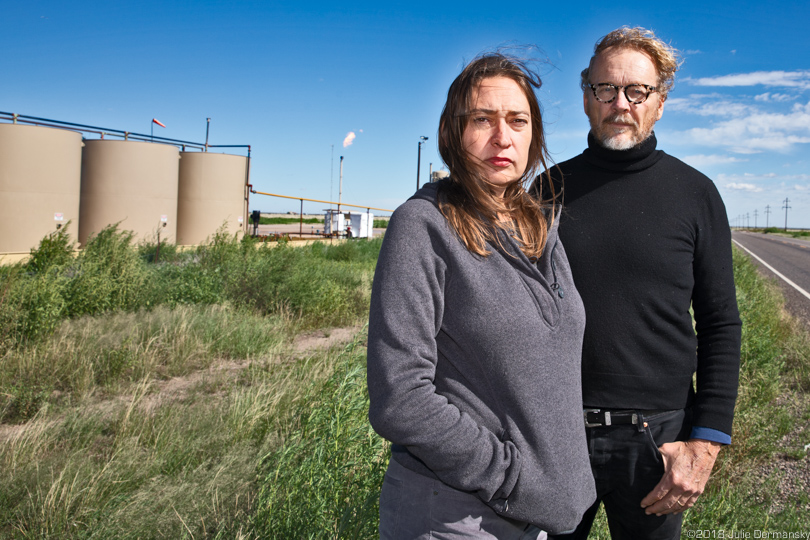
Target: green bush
(56,249)
(31,305)
(321,284)
(152,252)
(109,275)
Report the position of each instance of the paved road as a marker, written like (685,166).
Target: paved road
(790,258)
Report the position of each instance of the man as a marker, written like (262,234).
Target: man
(647,238)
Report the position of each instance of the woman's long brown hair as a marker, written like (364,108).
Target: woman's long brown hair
(466,200)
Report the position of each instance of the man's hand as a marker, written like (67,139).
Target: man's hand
(687,466)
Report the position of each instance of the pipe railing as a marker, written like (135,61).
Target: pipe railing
(126,135)
(302,199)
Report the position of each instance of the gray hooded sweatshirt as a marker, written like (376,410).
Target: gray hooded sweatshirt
(474,367)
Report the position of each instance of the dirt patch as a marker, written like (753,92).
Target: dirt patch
(165,392)
(178,388)
(10,431)
(323,339)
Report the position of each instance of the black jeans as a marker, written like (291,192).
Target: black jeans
(626,466)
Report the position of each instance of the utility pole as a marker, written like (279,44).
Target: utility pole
(755,218)
(786,207)
(422,140)
(331,176)
(340,189)
(767,212)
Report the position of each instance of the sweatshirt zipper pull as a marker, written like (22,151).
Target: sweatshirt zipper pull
(555,286)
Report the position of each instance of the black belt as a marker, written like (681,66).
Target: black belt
(603,418)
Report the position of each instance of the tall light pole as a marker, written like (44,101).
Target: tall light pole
(422,140)
(340,187)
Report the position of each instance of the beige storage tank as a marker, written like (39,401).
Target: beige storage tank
(40,175)
(212,192)
(131,182)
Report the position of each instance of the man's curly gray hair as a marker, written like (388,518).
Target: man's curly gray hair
(666,58)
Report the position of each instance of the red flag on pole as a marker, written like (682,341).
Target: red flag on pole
(158,122)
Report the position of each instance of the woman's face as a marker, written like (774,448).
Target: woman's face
(499,131)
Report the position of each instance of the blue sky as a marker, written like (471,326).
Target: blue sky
(293,79)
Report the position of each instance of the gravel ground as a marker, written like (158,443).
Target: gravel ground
(791,466)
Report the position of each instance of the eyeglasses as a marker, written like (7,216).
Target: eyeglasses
(635,93)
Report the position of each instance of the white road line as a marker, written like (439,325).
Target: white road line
(772,269)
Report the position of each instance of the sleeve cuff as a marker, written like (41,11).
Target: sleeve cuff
(708,434)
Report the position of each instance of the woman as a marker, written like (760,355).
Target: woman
(475,333)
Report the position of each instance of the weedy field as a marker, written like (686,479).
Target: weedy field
(220,393)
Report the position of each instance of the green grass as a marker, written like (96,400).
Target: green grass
(792,233)
(157,458)
(287,221)
(324,481)
(138,398)
(172,404)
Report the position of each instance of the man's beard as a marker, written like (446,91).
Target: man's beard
(611,140)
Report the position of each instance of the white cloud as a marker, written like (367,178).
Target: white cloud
(700,160)
(693,51)
(747,180)
(797,177)
(768,97)
(798,187)
(350,136)
(757,131)
(707,105)
(800,79)
(744,187)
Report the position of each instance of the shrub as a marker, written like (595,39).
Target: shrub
(56,249)
(109,275)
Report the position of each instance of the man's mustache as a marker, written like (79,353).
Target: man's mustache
(620,119)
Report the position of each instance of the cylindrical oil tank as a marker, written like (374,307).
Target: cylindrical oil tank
(211,195)
(131,182)
(40,174)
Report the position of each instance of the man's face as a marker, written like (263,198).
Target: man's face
(621,125)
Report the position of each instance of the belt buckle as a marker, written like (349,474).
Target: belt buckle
(595,411)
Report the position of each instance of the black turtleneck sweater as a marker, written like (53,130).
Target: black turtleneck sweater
(647,237)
